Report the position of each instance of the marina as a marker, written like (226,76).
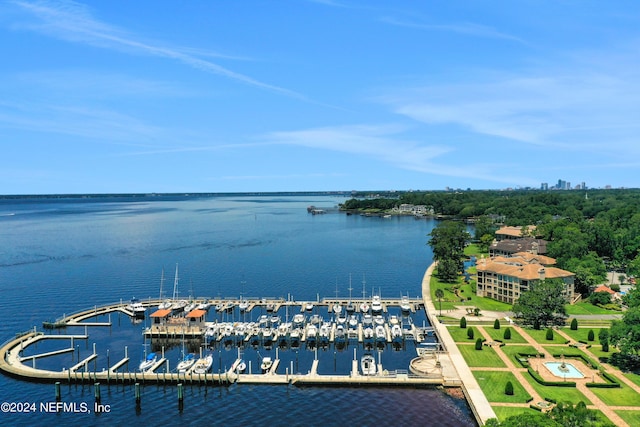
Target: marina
(302,331)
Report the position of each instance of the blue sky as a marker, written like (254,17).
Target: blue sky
(226,96)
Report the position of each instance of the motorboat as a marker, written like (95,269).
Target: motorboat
(308,306)
(148,362)
(396,333)
(340,333)
(239,366)
(337,308)
(405,305)
(186,363)
(266,364)
(312,332)
(136,307)
(376,305)
(368,334)
(203,306)
(342,318)
(364,307)
(203,365)
(368,365)
(351,308)
(316,319)
(244,305)
(378,320)
(324,332)
(298,320)
(380,333)
(353,321)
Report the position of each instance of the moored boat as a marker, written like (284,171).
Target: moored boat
(136,307)
(368,364)
(203,365)
(148,362)
(266,364)
(186,363)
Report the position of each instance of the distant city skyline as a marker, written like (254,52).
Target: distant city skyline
(174,97)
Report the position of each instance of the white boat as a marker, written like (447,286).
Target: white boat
(239,366)
(244,305)
(342,318)
(266,364)
(148,362)
(298,320)
(380,333)
(325,332)
(405,305)
(316,319)
(376,305)
(340,333)
(203,365)
(136,307)
(203,306)
(393,320)
(165,305)
(190,307)
(186,363)
(364,307)
(368,365)
(353,321)
(378,320)
(368,333)
(351,308)
(337,308)
(308,306)
(312,332)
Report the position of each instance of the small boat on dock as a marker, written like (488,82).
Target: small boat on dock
(203,365)
(148,362)
(405,305)
(368,364)
(266,364)
(380,333)
(136,307)
(376,305)
(186,363)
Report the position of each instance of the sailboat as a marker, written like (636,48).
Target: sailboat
(166,303)
(203,365)
(148,362)
(186,363)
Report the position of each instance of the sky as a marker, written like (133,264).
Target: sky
(293,95)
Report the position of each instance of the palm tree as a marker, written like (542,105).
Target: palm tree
(440,295)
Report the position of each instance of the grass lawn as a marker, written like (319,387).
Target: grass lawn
(585,307)
(635,378)
(623,396)
(498,334)
(582,333)
(460,335)
(631,417)
(486,357)
(504,412)
(559,394)
(492,384)
(451,300)
(512,350)
(541,336)
(597,351)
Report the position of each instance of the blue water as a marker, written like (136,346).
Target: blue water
(63,255)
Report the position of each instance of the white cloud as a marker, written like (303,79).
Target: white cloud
(73,22)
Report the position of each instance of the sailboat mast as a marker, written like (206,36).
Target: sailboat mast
(175,284)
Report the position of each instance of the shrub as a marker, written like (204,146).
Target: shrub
(470,333)
(574,324)
(479,344)
(508,389)
(605,347)
(463,322)
(590,336)
(549,334)
(496,324)
(507,334)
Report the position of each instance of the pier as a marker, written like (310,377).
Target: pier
(184,327)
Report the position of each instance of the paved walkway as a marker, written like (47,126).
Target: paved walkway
(464,370)
(475,396)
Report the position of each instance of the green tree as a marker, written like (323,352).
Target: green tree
(439,296)
(508,388)
(549,335)
(603,337)
(507,334)
(463,322)
(448,270)
(600,298)
(543,304)
(470,333)
(625,333)
(524,420)
(574,324)
(479,344)
(590,335)
(496,324)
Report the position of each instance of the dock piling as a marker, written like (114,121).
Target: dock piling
(58,393)
(180,397)
(96,392)
(137,394)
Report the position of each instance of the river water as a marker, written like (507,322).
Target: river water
(63,255)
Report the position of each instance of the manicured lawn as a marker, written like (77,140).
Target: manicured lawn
(498,334)
(635,378)
(582,333)
(451,300)
(460,335)
(493,384)
(567,351)
(486,357)
(631,417)
(512,350)
(541,336)
(596,349)
(504,412)
(585,307)
(559,394)
(623,396)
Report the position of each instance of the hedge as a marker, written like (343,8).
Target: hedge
(541,381)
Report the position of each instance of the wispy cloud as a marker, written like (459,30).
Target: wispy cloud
(465,28)
(71,21)
(386,143)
